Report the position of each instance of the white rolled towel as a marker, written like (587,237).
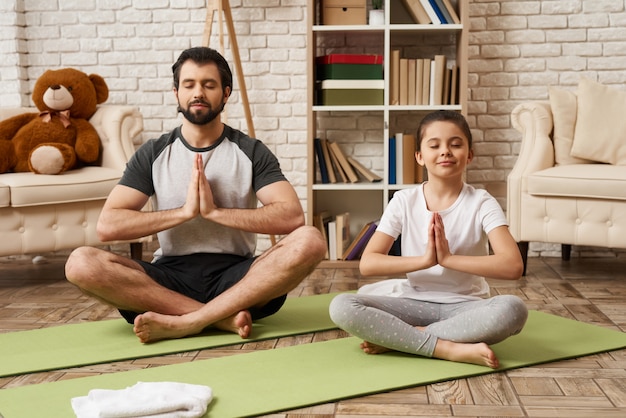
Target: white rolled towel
(145,399)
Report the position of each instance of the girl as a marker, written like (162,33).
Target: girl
(441,307)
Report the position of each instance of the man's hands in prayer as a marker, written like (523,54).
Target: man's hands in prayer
(199,194)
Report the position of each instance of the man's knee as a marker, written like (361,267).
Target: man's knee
(79,263)
(311,240)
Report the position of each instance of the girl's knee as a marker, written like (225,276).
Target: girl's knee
(516,312)
(340,307)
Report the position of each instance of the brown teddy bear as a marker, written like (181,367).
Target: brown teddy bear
(60,137)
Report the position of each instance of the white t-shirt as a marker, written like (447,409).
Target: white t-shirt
(467,222)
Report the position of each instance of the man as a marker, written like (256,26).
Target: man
(205,179)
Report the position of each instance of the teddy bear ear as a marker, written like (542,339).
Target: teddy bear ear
(102,90)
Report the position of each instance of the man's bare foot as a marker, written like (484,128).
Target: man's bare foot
(478,353)
(240,323)
(151,326)
(371,348)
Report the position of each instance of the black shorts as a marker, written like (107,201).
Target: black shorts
(203,277)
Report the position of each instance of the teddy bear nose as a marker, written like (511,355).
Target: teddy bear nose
(55,86)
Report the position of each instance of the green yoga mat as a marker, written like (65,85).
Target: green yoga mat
(113,340)
(268,381)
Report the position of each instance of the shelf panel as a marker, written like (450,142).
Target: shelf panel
(347,28)
(369,108)
(349,108)
(424,107)
(425,28)
(349,186)
(393,27)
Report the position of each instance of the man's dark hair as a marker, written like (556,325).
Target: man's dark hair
(444,116)
(204,55)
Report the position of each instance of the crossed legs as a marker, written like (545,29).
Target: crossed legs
(458,332)
(123,283)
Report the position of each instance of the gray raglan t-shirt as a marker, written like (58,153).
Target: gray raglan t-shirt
(236,167)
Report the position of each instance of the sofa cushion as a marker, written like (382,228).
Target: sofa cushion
(600,133)
(594,181)
(563,105)
(83,184)
(5,195)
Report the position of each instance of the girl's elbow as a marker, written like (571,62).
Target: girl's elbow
(515,270)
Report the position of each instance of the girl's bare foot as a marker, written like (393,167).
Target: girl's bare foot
(151,326)
(478,353)
(370,348)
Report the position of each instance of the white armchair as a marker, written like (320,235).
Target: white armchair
(44,213)
(556,196)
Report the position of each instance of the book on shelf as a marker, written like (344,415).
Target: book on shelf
(443,17)
(446,86)
(454,84)
(320,221)
(438,77)
(356,247)
(392,160)
(342,238)
(368,59)
(441,8)
(332,240)
(404,158)
(417,12)
(408,159)
(419,83)
(399,160)
(394,68)
(364,171)
(343,161)
(430,11)
(412,76)
(426,81)
(321,161)
(448,6)
(337,167)
(329,164)
(404,82)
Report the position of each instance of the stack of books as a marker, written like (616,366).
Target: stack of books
(349,80)
(336,231)
(403,167)
(422,81)
(438,12)
(335,167)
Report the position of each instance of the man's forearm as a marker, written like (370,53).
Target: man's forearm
(277,218)
(127,224)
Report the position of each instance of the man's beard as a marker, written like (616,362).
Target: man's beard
(200,118)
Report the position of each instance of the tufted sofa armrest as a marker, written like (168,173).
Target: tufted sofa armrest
(534,121)
(117,127)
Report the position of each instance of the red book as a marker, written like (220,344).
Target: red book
(349,59)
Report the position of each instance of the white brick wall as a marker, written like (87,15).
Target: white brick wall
(517,49)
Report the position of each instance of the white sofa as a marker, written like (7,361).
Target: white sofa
(568,185)
(46,213)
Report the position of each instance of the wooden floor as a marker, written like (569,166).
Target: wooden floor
(588,290)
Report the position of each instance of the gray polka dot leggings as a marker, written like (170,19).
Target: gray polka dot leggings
(391,321)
